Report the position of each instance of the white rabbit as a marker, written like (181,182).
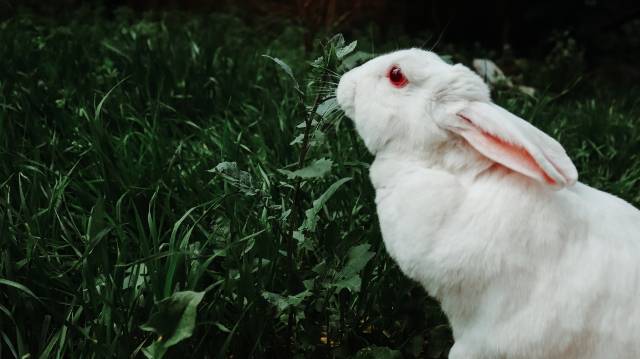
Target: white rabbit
(483,209)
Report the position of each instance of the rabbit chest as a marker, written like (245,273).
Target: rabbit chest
(417,210)
(446,234)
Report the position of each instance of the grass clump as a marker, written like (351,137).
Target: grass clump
(166,187)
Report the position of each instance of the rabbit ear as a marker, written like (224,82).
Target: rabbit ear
(516,144)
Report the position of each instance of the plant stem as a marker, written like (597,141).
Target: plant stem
(296,210)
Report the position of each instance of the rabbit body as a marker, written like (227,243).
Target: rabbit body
(485,211)
(520,272)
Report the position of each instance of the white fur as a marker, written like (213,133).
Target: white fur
(522,269)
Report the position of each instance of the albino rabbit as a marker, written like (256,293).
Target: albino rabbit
(483,209)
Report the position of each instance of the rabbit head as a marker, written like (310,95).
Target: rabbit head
(411,101)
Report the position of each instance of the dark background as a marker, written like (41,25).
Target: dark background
(604,29)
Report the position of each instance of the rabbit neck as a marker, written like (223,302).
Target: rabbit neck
(454,157)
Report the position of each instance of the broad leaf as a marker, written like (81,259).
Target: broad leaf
(354,59)
(348,277)
(352,284)
(344,51)
(327,107)
(337,40)
(236,177)
(173,322)
(312,213)
(297,140)
(376,352)
(283,65)
(358,258)
(286,68)
(318,168)
(282,302)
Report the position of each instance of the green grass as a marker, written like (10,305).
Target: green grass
(151,165)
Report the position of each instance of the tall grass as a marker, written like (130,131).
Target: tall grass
(164,187)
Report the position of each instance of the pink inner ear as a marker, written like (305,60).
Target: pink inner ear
(512,151)
(518,152)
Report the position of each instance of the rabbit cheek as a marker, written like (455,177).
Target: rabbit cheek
(372,123)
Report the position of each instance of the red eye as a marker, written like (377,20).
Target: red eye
(397,78)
